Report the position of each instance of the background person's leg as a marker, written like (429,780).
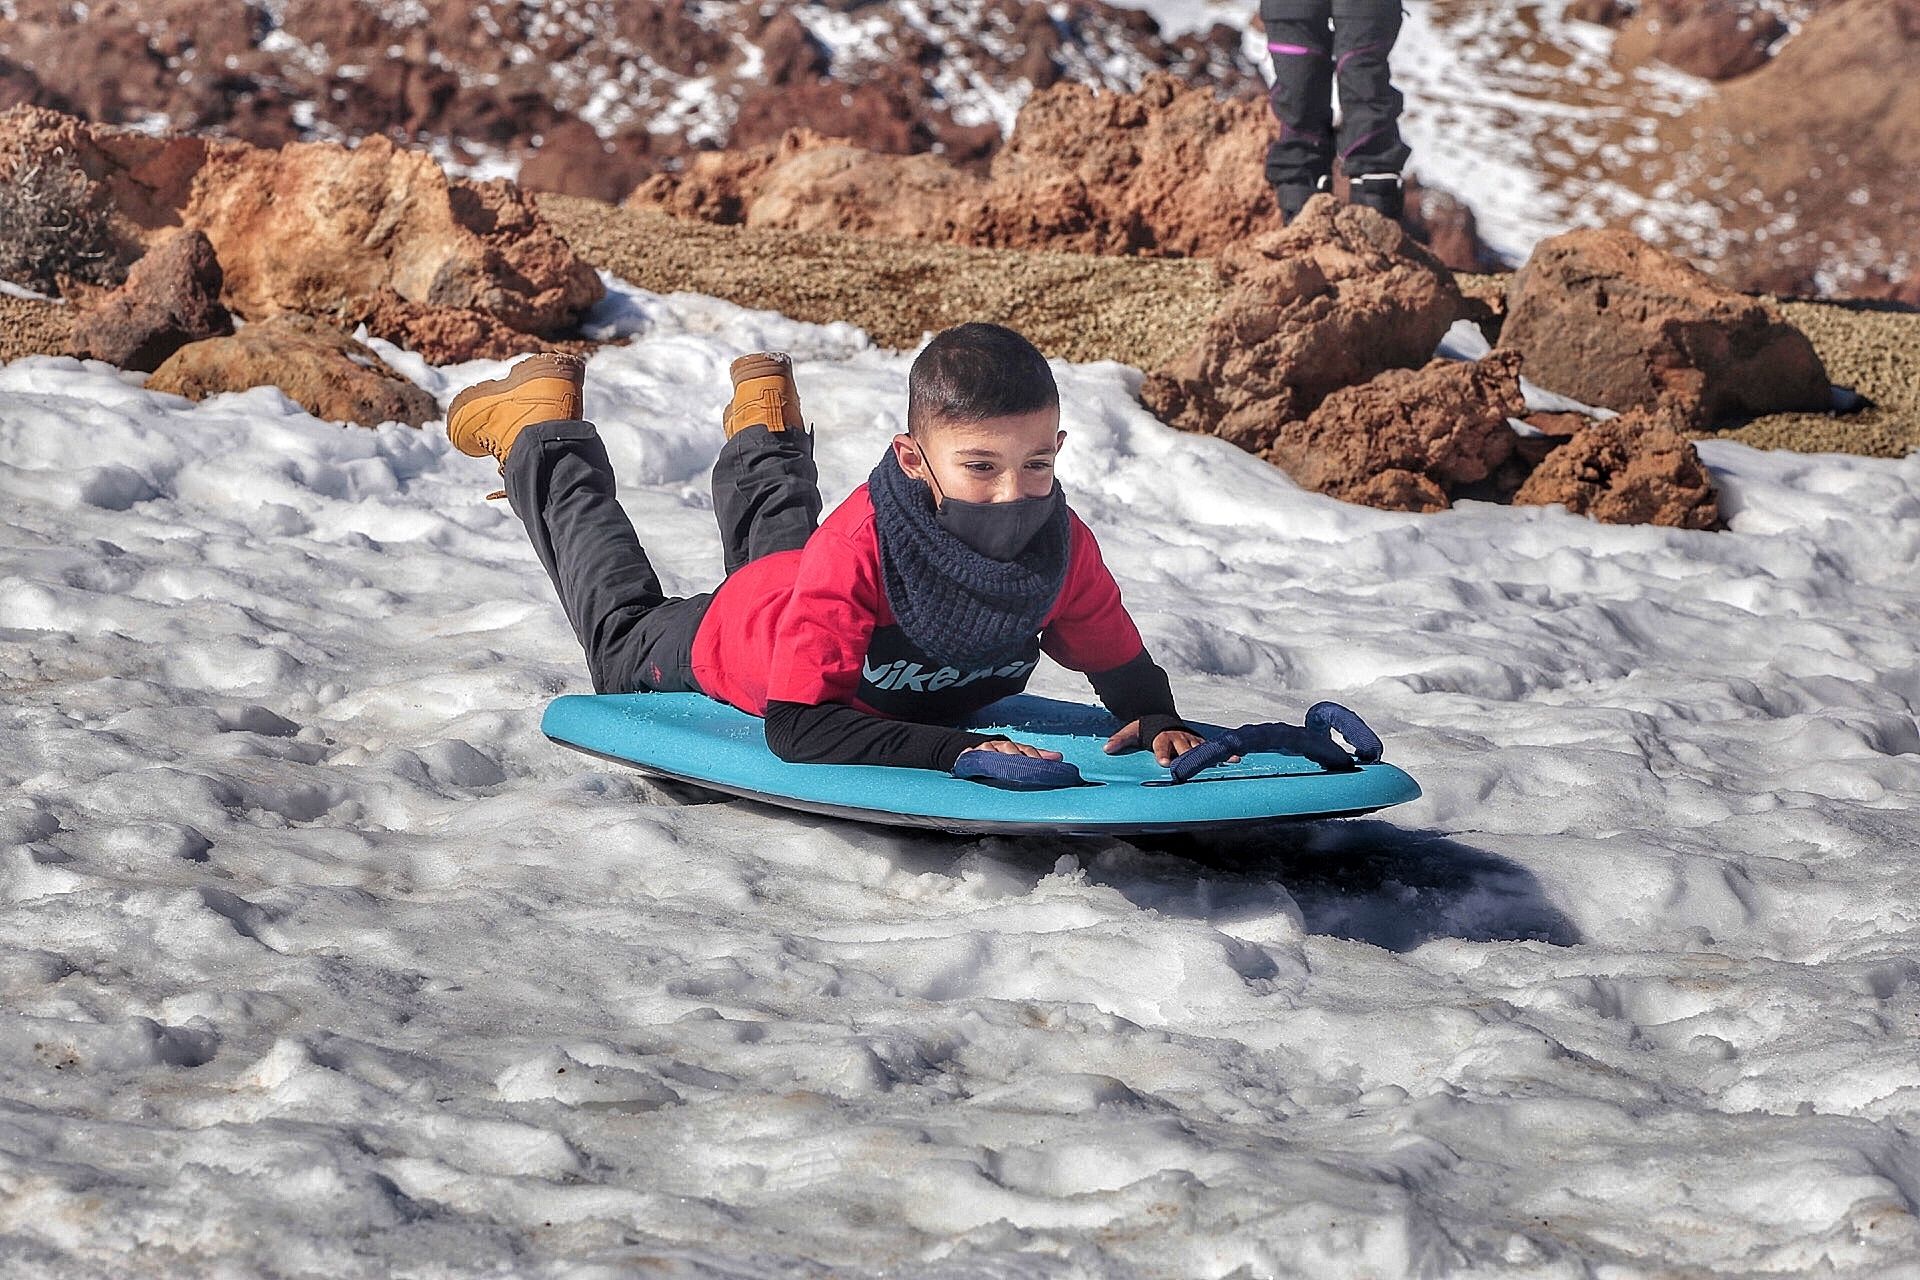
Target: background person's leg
(1300,160)
(1372,153)
(560,484)
(766,493)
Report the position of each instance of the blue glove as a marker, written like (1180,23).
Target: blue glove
(1015,772)
(1314,741)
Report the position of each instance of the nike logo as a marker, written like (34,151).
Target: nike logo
(916,678)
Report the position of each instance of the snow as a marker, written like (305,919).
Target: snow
(319,959)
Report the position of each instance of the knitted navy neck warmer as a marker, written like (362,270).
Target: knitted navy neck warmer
(956,605)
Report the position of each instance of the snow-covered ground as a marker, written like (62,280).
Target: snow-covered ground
(317,959)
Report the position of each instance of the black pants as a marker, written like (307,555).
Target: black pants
(766,496)
(1315,43)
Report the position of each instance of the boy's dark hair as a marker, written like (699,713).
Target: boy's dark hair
(973,372)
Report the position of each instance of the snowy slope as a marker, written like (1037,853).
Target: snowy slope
(318,959)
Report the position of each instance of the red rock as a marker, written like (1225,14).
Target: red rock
(314,364)
(1442,222)
(171,297)
(1530,451)
(1904,292)
(875,117)
(306,227)
(789,53)
(573,160)
(1606,13)
(1396,490)
(314,227)
(1634,469)
(1559,427)
(1408,439)
(441,335)
(1611,321)
(1337,297)
(822,185)
(1167,170)
(718,186)
(1714,39)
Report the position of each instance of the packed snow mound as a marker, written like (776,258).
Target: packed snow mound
(319,958)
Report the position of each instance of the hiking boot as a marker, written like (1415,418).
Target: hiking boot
(763,394)
(1379,191)
(487,417)
(1293,197)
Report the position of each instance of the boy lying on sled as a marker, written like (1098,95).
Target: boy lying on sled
(925,596)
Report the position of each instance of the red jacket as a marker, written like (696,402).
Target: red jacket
(813,626)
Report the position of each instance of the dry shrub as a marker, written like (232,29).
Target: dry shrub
(54,223)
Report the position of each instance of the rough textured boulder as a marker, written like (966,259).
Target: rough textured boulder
(573,160)
(1634,469)
(170,298)
(315,226)
(317,366)
(1606,13)
(883,118)
(1713,39)
(1339,296)
(1165,171)
(1604,317)
(1447,227)
(442,335)
(821,184)
(715,186)
(307,227)
(1408,440)
(1529,451)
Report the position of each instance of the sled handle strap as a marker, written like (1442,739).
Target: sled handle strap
(1015,772)
(1331,717)
(1314,741)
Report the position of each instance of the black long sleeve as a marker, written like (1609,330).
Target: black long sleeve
(1139,690)
(834,733)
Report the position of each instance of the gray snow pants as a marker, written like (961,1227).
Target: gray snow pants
(1315,43)
(766,498)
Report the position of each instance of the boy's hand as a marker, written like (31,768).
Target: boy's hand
(1166,746)
(1016,749)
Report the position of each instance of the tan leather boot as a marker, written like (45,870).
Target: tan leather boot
(488,416)
(763,394)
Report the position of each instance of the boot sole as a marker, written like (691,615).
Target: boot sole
(763,364)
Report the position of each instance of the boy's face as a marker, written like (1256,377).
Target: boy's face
(993,460)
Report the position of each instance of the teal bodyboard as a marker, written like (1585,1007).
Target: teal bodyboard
(695,739)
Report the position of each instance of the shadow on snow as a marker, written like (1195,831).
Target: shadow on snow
(1374,882)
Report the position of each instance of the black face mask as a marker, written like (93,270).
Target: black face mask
(998,530)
